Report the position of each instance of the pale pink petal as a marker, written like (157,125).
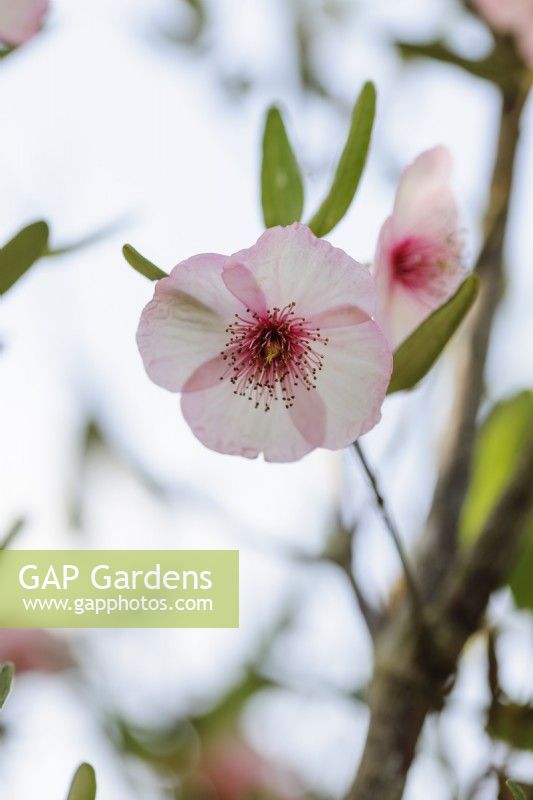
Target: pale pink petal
(353,382)
(34,650)
(184,325)
(514,17)
(230,424)
(201,277)
(507,16)
(291,265)
(339,317)
(403,312)
(524,40)
(244,287)
(309,416)
(21,19)
(206,375)
(423,198)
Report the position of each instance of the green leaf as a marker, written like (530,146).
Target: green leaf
(511,723)
(499,446)
(496,455)
(515,790)
(83,786)
(350,166)
(415,357)
(12,533)
(521,580)
(23,250)
(6,679)
(141,264)
(282,192)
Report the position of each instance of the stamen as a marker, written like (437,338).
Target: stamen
(269,356)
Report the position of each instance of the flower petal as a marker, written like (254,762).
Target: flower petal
(353,381)
(291,265)
(424,201)
(21,19)
(184,325)
(339,317)
(243,286)
(230,424)
(308,414)
(206,375)
(201,277)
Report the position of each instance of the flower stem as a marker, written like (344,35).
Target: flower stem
(393,530)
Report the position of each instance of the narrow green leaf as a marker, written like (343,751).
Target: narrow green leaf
(521,582)
(6,679)
(141,264)
(83,786)
(350,166)
(415,357)
(499,446)
(23,250)
(496,455)
(12,533)
(516,791)
(282,192)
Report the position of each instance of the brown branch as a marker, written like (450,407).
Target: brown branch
(412,676)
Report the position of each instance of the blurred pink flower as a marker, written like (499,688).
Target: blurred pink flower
(273,349)
(236,772)
(514,17)
(33,650)
(21,19)
(418,263)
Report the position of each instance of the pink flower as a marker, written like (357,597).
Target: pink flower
(514,17)
(33,650)
(21,19)
(273,349)
(236,772)
(418,263)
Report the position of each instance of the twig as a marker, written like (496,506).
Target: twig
(339,550)
(393,530)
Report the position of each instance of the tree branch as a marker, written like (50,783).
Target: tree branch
(412,674)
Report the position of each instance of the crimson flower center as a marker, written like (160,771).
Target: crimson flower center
(270,355)
(410,261)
